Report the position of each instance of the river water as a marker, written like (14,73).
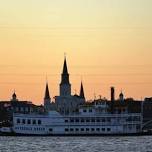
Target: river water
(76,144)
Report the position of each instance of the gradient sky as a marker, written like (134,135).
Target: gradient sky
(107,42)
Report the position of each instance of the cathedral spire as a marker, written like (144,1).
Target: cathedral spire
(47,99)
(65,74)
(65,86)
(65,69)
(82,91)
(47,93)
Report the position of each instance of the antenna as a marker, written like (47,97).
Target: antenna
(81,78)
(46,78)
(65,54)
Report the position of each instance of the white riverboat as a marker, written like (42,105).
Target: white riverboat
(90,120)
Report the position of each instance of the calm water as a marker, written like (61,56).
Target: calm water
(76,144)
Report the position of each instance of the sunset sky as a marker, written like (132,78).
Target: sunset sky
(107,42)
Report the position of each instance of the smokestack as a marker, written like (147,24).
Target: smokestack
(112,94)
(112,99)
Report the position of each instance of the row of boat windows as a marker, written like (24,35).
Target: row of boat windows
(85,110)
(100,120)
(29,121)
(87,129)
(66,129)
(88,120)
(136,118)
(30,128)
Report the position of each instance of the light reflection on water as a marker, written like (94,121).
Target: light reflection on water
(76,144)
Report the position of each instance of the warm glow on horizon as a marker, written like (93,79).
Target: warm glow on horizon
(107,42)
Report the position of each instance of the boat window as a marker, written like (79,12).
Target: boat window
(92,129)
(23,121)
(98,120)
(82,129)
(103,129)
(87,120)
(82,120)
(90,110)
(77,129)
(28,121)
(97,129)
(66,120)
(34,122)
(77,120)
(66,129)
(103,120)
(18,120)
(71,129)
(71,120)
(84,110)
(87,129)
(39,122)
(108,129)
(93,120)
(50,129)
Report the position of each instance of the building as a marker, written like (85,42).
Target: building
(7,108)
(47,98)
(65,102)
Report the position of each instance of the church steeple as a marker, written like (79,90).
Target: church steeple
(47,93)
(65,69)
(65,86)
(82,91)
(65,74)
(47,99)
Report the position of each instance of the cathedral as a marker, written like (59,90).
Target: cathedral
(65,103)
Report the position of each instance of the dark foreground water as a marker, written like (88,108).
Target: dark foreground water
(76,144)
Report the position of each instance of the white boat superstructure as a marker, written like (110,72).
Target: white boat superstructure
(91,120)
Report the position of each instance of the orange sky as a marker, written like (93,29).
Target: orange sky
(108,42)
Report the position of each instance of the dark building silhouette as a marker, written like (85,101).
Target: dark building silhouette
(47,98)
(67,103)
(121,97)
(7,108)
(65,86)
(82,91)
(14,97)
(47,93)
